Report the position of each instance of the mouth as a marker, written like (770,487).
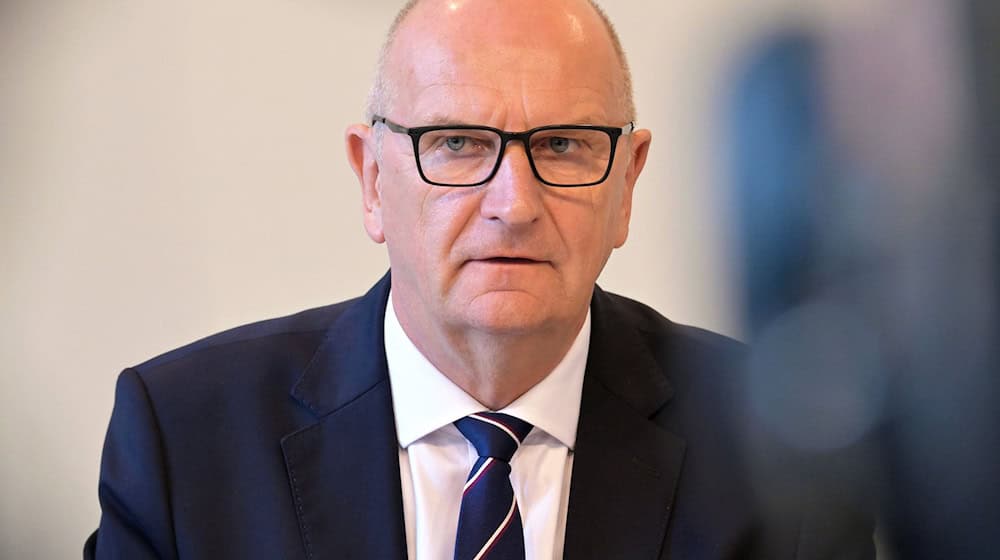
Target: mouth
(509,260)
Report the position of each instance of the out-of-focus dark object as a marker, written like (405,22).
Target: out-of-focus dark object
(944,475)
(803,446)
(865,171)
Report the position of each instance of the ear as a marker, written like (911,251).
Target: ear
(638,146)
(360,141)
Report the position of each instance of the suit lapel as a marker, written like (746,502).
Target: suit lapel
(625,467)
(344,469)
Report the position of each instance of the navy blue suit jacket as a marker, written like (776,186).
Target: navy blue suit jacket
(276,441)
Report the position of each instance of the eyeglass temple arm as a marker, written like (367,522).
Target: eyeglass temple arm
(391,125)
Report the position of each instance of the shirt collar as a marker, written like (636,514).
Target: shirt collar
(424,400)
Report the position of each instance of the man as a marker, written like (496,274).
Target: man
(358,430)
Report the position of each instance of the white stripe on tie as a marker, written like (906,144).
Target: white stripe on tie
(498,425)
(472,480)
(500,529)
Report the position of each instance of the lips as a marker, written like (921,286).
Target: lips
(507,260)
(510,260)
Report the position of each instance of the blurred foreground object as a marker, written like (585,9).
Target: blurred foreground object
(865,172)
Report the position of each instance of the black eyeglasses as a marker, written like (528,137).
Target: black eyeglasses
(564,155)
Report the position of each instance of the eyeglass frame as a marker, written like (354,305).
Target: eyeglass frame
(614,133)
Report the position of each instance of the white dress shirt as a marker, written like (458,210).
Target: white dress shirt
(435,459)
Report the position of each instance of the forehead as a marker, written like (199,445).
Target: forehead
(503,60)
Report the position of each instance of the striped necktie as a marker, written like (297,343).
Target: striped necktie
(489,525)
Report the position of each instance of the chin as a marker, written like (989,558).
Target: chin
(508,312)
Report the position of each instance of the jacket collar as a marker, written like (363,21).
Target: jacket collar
(351,358)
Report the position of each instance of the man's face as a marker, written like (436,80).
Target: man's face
(513,256)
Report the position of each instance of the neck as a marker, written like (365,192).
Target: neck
(494,368)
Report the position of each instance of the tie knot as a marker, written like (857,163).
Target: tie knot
(494,434)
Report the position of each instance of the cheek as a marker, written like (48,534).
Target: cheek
(583,227)
(423,224)
(602,231)
(448,216)
(397,217)
(615,213)
(606,209)
(401,218)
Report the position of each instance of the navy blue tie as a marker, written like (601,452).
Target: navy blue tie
(489,525)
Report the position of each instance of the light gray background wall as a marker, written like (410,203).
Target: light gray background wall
(170,169)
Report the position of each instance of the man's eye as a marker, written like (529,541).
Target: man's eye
(455,143)
(559,144)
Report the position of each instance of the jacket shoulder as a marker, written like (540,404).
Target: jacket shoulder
(658,330)
(307,325)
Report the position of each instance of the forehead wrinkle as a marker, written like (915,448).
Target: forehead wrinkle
(582,108)
(583,105)
(426,103)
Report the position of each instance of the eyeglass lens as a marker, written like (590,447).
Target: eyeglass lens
(561,156)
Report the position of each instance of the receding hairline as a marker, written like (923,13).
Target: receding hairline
(379,98)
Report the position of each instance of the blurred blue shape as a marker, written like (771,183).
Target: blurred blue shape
(778,155)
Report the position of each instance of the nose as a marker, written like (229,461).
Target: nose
(514,195)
